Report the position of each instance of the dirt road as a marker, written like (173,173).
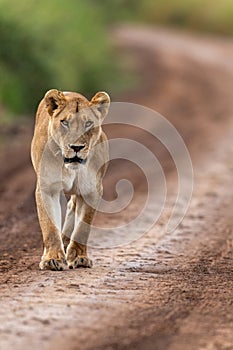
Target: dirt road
(164,291)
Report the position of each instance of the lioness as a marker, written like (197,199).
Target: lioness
(69,153)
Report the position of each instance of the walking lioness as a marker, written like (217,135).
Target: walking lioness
(69,154)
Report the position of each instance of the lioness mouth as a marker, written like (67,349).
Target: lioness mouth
(74,160)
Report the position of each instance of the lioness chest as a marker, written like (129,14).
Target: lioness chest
(81,181)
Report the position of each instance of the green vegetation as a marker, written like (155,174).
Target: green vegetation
(65,44)
(55,43)
(201,15)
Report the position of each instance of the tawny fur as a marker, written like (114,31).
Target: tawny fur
(64,120)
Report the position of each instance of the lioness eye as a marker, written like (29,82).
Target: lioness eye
(65,123)
(88,124)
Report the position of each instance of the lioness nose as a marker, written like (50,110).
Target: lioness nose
(76,148)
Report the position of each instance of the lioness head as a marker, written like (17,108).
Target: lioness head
(75,123)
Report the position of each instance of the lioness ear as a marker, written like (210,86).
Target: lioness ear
(54,100)
(101,101)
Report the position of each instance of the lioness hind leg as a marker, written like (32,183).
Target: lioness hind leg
(69,221)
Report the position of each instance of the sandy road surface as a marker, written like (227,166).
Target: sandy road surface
(163,291)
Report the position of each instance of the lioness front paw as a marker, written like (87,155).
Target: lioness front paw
(53,264)
(80,261)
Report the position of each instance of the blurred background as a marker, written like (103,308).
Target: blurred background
(45,44)
(174,56)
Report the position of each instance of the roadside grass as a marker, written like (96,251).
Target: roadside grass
(199,15)
(67,45)
(46,44)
